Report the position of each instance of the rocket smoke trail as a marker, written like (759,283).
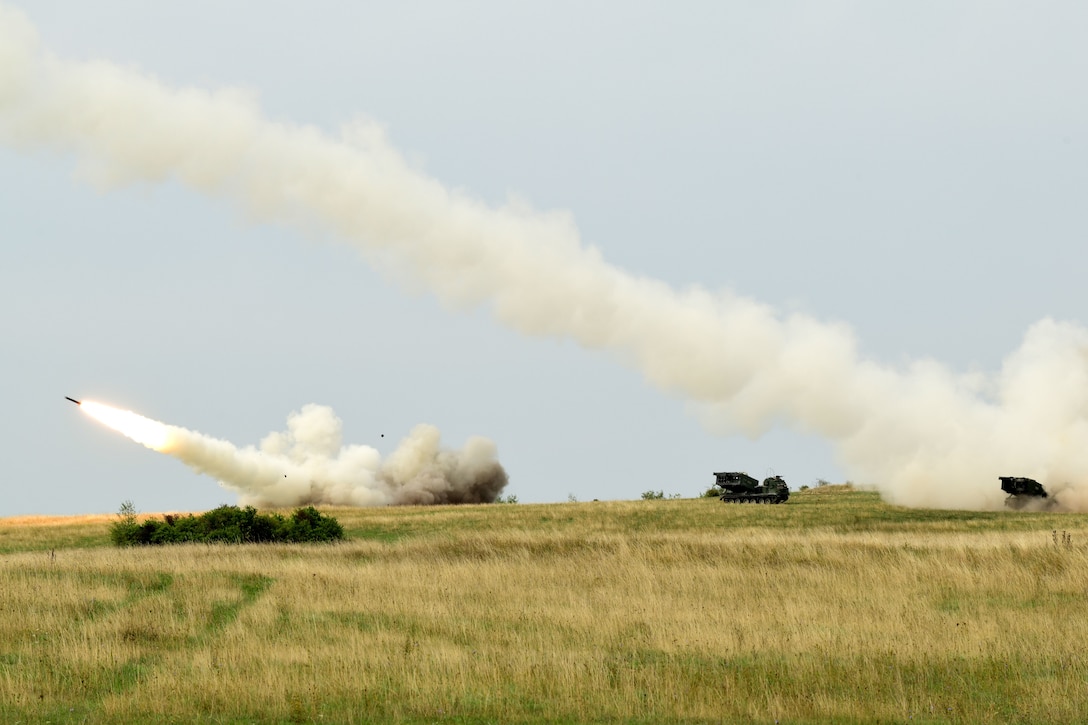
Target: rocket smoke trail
(923,435)
(308,463)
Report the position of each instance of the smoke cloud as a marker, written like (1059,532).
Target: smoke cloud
(309,464)
(923,435)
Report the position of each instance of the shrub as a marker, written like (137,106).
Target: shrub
(226,524)
(309,525)
(652,495)
(125,530)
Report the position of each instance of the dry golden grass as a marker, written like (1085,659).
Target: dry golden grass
(19,533)
(831,608)
(39,520)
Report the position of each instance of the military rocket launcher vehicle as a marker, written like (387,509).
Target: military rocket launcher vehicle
(741,488)
(1022,491)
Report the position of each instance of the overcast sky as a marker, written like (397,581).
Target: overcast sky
(917,171)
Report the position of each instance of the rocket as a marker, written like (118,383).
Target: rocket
(73,400)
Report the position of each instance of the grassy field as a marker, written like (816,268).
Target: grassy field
(832,607)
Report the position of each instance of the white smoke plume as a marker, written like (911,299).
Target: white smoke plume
(924,436)
(309,464)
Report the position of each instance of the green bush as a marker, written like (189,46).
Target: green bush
(309,525)
(125,531)
(653,495)
(226,524)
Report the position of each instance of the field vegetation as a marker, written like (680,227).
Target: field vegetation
(832,607)
(225,524)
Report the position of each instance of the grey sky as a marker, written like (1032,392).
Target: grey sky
(916,170)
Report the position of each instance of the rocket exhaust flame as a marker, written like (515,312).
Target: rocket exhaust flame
(923,435)
(307,463)
(147,432)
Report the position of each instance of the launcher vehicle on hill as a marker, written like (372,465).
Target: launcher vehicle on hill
(741,488)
